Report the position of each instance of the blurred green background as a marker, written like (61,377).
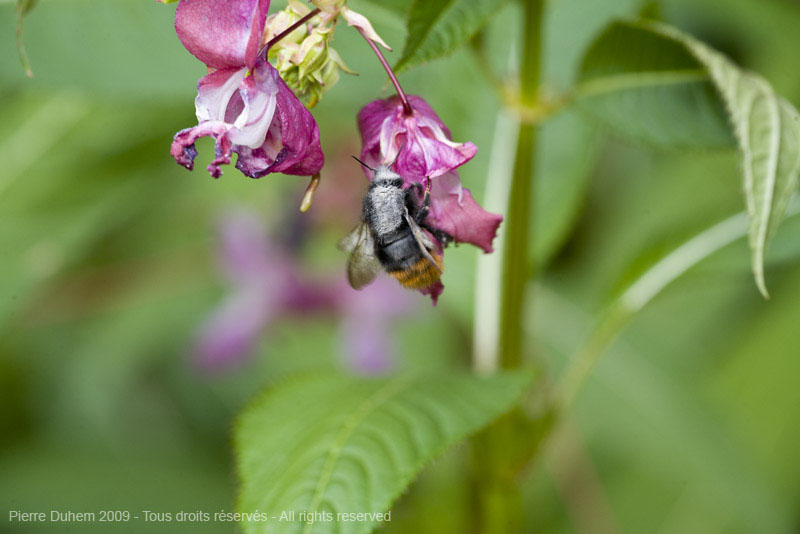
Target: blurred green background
(691,422)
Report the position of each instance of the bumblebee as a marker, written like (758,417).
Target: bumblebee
(390,235)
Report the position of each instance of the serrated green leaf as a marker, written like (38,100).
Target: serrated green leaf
(655,83)
(651,89)
(438,27)
(339,444)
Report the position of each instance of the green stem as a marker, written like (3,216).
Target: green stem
(515,273)
(500,451)
(290,29)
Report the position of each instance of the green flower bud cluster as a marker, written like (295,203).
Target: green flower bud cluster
(304,58)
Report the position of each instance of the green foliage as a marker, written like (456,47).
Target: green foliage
(438,27)
(567,145)
(347,445)
(59,35)
(656,83)
(651,88)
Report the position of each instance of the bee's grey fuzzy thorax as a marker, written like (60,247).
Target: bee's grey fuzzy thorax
(384,205)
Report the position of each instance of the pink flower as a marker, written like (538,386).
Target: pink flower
(243,104)
(423,152)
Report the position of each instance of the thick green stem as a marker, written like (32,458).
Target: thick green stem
(517,222)
(500,451)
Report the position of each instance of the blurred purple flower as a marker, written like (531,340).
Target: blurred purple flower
(267,284)
(366,318)
(243,104)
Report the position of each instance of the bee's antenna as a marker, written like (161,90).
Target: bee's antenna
(364,164)
(397,155)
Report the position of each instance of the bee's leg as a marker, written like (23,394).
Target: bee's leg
(424,208)
(441,236)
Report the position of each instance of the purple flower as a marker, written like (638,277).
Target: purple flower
(243,104)
(263,285)
(422,149)
(367,318)
(267,284)
(419,144)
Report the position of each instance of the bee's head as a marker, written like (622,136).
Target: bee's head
(387,177)
(384,175)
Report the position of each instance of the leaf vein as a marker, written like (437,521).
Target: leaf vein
(351,423)
(619,82)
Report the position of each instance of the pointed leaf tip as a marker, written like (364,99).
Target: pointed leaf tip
(679,84)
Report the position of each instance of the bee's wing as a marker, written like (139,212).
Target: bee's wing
(362,266)
(422,240)
(348,243)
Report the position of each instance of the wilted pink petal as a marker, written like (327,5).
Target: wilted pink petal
(256,116)
(433,291)
(292,144)
(454,211)
(184,151)
(222,34)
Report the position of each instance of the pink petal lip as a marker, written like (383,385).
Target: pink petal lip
(256,115)
(456,213)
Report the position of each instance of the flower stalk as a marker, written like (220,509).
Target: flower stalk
(288,30)
(400,93)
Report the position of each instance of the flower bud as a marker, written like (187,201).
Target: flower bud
(305,59)
(313,54)
(280,21)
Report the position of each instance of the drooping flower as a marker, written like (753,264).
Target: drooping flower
(243,103)
(423,152)
(268,283)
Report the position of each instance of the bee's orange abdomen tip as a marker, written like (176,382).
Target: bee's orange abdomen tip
(420,275)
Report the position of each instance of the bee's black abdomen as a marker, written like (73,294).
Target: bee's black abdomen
(399,254)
